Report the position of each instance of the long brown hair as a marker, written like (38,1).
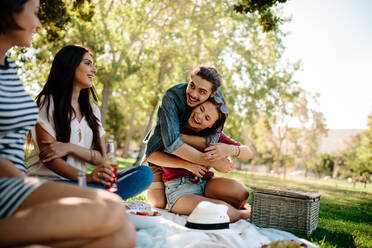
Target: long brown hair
(59,87)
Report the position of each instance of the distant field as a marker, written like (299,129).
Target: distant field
(345,217)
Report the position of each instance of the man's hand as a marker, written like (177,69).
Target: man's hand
(218,151)
(198,170)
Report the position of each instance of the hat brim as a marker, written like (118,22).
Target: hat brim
(216,231)
(214,226)
(182,227)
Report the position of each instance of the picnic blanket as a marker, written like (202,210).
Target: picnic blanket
(172,233)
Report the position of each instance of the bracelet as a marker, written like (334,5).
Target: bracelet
(91,155)
(238,151)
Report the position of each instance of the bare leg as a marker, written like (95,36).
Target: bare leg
(156,198)
(236,195)
(88,217)
(186,204)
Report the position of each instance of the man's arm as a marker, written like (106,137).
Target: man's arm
(164,160)
(189,153)
(197,142)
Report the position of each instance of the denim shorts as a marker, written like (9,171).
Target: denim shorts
(182,186)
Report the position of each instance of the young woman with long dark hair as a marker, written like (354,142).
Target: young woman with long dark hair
(33,211)
(69,133)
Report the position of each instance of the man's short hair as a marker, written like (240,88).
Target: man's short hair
(210,74)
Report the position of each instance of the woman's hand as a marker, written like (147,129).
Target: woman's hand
(53,150)
(198,170)
(218,151)
(100,174)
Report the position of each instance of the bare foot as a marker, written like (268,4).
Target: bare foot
(247,207)
(245,214)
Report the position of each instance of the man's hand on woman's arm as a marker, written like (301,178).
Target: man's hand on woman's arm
(220,150)
(165,160)
(189,153)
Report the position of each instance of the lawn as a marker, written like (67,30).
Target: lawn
(345,216)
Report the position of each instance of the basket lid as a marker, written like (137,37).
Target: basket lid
(287,192)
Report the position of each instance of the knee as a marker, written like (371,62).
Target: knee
(147,174)
(126,237)
(243,194)
(113,215)
(156,198)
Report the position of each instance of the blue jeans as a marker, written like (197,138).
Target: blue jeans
(131,181)
(177,188)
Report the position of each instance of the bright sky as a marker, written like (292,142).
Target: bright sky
(334,40)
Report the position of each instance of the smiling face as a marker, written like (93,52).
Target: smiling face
(29,21)
(198,91)
(203,116)
(85,72)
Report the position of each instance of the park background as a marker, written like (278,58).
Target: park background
(143,47)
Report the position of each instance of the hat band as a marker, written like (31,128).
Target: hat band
(207,226)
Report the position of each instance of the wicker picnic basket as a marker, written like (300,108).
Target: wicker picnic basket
(284,209)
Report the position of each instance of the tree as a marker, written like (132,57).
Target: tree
(143,47)
(267,19)
(364,151)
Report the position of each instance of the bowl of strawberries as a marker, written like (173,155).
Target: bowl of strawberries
(143,218)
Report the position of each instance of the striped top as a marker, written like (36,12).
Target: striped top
(18,113)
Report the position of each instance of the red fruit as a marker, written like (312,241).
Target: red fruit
(143,213)
(156,214)
(303,245)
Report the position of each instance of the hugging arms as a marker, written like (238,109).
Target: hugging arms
(187,183)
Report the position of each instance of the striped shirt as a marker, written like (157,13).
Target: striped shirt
(13,191)
(18,113)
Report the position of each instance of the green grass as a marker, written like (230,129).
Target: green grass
(345,215)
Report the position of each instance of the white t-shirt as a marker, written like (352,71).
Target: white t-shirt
(81,134)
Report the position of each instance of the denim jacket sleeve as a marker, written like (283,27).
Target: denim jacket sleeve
(168,116)
(213,138)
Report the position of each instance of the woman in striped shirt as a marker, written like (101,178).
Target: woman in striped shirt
(31,211)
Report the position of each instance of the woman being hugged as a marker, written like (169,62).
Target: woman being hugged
(33,211)
(69,132)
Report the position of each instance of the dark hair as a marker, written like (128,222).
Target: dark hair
(59,86)
(8,7)
(222,116)
(210,74)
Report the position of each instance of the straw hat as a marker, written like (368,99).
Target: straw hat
(209,216)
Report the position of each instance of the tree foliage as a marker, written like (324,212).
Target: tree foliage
(141,48)
(267,19)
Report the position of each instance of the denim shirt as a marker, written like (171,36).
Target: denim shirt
(173,114)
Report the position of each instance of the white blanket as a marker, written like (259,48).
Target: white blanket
(172,233)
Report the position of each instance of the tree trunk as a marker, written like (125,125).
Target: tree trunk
(141,152)
(128,137)
(105,96)
(306,170)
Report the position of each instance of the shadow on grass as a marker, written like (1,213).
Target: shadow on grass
(335,238)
